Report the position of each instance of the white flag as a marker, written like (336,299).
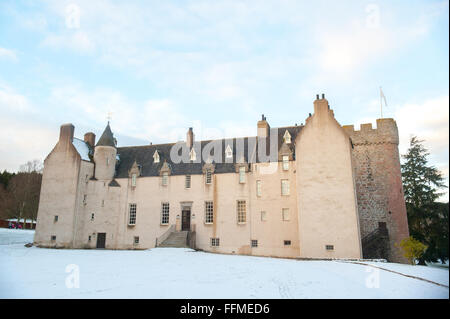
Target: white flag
(382,96)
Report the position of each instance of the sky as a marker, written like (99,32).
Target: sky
(156,68)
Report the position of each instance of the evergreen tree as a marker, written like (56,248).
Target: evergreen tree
(427,219)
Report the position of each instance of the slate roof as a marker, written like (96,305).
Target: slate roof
(82,148)
(107,138)
(143,155)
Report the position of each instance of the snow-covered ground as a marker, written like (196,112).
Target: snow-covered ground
(184,273)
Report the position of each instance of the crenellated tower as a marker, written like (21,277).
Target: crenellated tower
(381,203)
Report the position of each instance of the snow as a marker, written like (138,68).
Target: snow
(185,273)
(81,148)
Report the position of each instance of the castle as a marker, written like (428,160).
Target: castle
(318,190)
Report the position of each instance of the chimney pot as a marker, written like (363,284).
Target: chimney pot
(317,96)
(89,138)
(323,96)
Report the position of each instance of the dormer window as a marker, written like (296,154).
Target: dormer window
(133,180)
(156,157)
(192,155)
(165,178)
(228,152)
(287,137)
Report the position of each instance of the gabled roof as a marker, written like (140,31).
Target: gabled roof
(107,138)
(143,155)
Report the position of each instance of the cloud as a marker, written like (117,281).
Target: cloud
(8,54)
(78,41)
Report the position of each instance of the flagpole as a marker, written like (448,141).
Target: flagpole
(381,104)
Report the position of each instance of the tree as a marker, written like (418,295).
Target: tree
(412,249)
(20,199)
(427,219)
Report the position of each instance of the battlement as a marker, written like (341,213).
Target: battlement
(385,132)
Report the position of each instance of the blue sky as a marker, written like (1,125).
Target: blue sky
(162,66)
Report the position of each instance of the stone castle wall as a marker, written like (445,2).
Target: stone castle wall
(378,182)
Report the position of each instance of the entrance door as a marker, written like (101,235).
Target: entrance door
(101,240)
(186,219)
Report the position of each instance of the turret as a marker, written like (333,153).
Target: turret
(105,155)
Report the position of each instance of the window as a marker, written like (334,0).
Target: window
(209,212)
(156,157)
(107,161)
(284,187)
(242,174)
(287,137)
(133,180)
(53,238)
(287,242)
(165,213)
(193,155)
(92,216)
(285,162)
(136,240)
(329,247)
(241,212)
(215,242)
(263,216)
(208,176)
(56,218)
(84,199)
(165,178)
(132,215)
(89,238)
(228,152)
(285,213)
(103,203)
(254,243)
(187,182)
(258,188)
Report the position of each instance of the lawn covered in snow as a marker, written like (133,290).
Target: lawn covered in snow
(185,273)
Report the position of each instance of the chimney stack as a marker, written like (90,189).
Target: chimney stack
(89,138)
(263,127)
(66,133)
(190,138)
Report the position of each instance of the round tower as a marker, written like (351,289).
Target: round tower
(105,156)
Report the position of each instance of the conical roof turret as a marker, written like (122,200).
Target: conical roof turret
(107,138)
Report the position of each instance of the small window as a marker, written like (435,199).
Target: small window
(165,213)
(56,218)
(165,178)
(287,242)
(254,243)
(156,157)
(263,216)
(285,213)
(208,176)
(103,203)
(229,152)
(241,212)
(187,182)
(92,216)
(329,247)
(284,187)
(132,214)
(285,162)
(136,240)
(133,180)
(107,161)
(242,174)
(209,212)
(215,242)
(287,137)
(193,155)
(84,199)
(53,238)
(258,188)
(89,238)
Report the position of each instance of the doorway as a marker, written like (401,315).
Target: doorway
(101,240)
(186,219)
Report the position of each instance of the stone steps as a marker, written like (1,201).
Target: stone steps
(176,239)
